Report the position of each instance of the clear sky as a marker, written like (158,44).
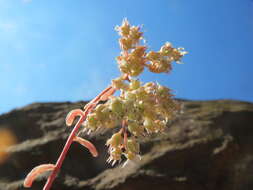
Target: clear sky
(65,50)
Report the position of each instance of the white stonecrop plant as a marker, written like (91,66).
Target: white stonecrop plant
(140,109)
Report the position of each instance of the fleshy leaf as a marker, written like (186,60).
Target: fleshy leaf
(72,115)
(35,172)
(87,144)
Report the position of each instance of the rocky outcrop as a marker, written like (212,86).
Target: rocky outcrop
(208,146)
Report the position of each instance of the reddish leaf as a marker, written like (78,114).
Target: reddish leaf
(72,115)
(87,144)
(35,172)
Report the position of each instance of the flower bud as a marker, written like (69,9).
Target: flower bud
(126,43)
(134,84)
(125,28)
(139,51)
(91,121)
(135,129)
(153,56)
(135,34)
(177,54)
(118,83)
(115,140)
(136,71)
(163,65)
(131,96)
(149,125)
(166,49)
(134,114)
(101,113)
(116,153)
(116,105)
(130,155)
(133,146)
(141,93)
(163,91)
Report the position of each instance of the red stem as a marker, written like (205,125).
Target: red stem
(63,154)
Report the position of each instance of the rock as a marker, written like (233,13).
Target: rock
(208,146)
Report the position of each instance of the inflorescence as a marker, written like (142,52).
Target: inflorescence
(140,109)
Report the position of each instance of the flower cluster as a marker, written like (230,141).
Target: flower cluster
(133,57)
(141,108)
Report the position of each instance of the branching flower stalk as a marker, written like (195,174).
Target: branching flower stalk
(140,109)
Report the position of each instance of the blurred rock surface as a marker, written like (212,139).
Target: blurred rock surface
(207,147)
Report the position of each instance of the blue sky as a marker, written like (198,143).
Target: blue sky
(65,50)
